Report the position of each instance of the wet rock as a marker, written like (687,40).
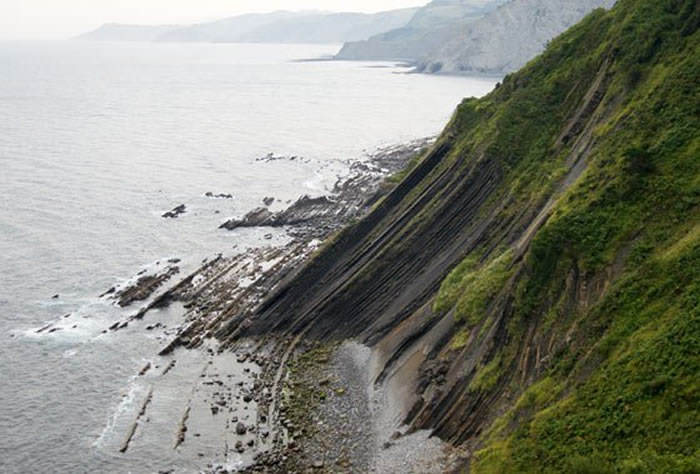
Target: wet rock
(42,329)
(145,369)
(241,429)
(258,217)
(268,201)
(209,194)
(272,157)
(175,212)
(144,287)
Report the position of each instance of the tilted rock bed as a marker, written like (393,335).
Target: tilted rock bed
(287,378)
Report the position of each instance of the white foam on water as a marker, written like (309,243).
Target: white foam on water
(127,406)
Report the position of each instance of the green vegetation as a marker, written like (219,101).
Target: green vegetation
(302,392)
(470,289)
(640,407)
(487,376)
(615,271)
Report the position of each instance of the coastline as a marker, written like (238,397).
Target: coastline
(260,382)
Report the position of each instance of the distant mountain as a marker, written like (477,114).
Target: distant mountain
(470,36)
(331,28)
(430,27)
(440,13)
(276,27)
(230,29)
(121,32)
(507,38)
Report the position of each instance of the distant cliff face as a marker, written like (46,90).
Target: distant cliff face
(504,40)
(440,13)
(276,27)
(493,38)
(430,27)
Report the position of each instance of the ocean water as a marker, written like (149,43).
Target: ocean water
(97,140)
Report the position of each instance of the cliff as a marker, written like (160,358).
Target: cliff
(532,285)
(430,27)
(505,40)
(495,40)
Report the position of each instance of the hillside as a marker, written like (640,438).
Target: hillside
(508,38)
(530,290)
(494,41)
(122,32)
(275,27)
(430,27)
(439,13)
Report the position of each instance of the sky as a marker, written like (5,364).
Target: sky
(45,19)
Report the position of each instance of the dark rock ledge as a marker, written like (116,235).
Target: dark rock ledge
(351,197)
(222,296)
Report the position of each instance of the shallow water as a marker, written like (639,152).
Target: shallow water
(97,140)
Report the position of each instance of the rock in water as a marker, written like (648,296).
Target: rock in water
(175,212)
(255,218)
(209,194)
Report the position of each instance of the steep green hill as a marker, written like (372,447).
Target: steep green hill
(543,259)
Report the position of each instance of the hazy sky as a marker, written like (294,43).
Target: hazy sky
(26,19)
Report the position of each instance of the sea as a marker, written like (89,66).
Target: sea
(97,141)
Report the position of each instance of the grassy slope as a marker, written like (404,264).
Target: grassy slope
(623,396)
(585,342)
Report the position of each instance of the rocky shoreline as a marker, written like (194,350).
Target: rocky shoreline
(297,405)
(351,197)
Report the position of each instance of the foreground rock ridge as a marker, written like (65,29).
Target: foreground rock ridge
(529,290)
